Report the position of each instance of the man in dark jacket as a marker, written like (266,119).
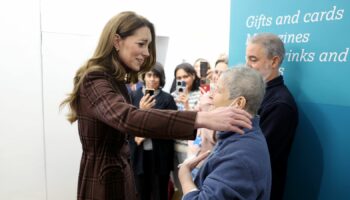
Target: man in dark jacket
(278,111)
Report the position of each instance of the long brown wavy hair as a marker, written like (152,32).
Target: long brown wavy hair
(105,57)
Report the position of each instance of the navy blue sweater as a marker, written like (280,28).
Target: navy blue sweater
(238,168)
(278,121)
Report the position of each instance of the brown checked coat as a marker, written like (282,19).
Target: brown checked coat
(105,116)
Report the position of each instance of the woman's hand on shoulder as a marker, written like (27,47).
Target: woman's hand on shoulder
(224,119)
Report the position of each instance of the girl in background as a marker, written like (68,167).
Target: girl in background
(186,99)
(152,159)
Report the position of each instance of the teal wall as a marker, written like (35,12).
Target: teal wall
(319,164)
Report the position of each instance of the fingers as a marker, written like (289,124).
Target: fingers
(232,119)
(242,112)
(193,162)
(235,129)
(224,119)
(205,96)
(199,158)
(202,156)
(147,102)
(148,105)
(183,98)
(206,99)
(242,119)
(239,119)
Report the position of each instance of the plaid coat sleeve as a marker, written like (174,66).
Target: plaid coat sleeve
(108,104)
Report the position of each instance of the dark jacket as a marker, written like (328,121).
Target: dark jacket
(238,168)
(104,117)
(279,119)
(163,149)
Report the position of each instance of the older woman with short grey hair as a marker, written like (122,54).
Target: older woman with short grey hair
(246,82)
(239,165)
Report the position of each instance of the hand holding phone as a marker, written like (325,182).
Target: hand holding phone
(149,101)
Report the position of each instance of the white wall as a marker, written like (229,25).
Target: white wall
(42,43)
(22,159)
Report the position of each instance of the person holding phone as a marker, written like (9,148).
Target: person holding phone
(152,159)
(204,80)
(101,105)
(221,65)
(187,82)
(186,99)
(197,67)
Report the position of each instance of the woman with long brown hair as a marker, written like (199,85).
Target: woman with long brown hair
(101,105)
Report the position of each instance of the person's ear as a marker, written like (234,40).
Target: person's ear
(275,62)
(116,41)
(239,102)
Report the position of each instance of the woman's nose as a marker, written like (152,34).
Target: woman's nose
(146,52)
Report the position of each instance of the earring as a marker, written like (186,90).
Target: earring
(117,49)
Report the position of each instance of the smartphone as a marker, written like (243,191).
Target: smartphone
(180,86)
(204,82)
(203,69)
(149,91)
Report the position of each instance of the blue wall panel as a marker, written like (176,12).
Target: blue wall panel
(319,164)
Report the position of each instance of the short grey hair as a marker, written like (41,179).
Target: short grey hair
(242,80)
(272,44)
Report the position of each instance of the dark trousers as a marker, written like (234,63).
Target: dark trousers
(150,185)
(279,175)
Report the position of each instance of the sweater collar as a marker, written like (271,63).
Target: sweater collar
(274,82)
(255,124)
